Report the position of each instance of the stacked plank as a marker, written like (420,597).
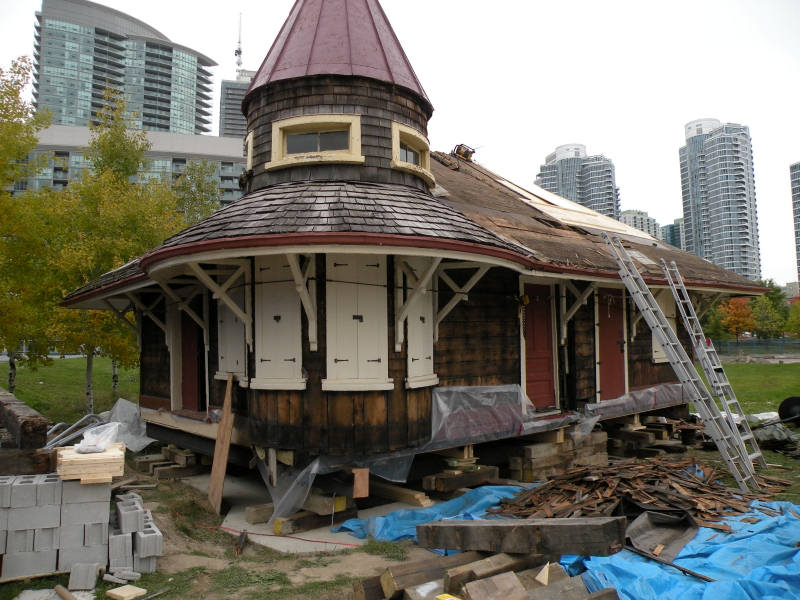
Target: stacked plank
(474,576)
(540,461)
(95,467)
(652,484)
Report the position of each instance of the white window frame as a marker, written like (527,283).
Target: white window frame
(276,293)
(667,303)
(377,320)
(280,159)
(416,141)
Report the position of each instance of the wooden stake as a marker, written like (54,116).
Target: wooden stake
(221,449)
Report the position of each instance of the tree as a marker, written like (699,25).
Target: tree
(793,320)
(736,316)
(768,321)
(712,324)
(197,191)
(22,313)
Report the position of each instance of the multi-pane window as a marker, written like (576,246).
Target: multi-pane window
(408,154)
(317,141)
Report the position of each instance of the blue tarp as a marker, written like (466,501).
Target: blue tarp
(401,524)
(758,561)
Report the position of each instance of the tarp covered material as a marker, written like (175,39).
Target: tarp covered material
(758,561)
(402,524)
(636,401)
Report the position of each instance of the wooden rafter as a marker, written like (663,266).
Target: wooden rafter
(148,310)
(301,284)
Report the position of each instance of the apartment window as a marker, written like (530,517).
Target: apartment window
(313,139)
(411,153)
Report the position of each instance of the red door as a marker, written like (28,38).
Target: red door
(611,356)
(539,379)
(190,371)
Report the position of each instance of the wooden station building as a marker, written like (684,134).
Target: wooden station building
(360,271)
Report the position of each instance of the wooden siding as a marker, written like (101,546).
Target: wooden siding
(642,371)
(376,102)
(580,382)
(154,384)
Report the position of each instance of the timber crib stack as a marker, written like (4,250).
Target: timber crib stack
(94,467)
(543,460)
(477,576)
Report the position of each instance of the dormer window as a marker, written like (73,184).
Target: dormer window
(411,153)
(312,139)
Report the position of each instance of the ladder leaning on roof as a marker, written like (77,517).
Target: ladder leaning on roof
(727,438)
(712,366)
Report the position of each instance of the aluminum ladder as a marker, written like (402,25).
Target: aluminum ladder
(712,366)
(727,439)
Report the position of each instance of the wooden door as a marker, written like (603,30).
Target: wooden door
(611,343)
(191,346)
(539,371)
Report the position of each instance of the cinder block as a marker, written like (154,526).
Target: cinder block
(20,540)
(120,550)
(95,534)
(87,512)
(73,492)
(71,536)
(3,535)
(48,489)
(109,578)
(23,491)
(46,539)
(86,554)
(148,516)
(144,565)
(83,576)
(130,516)
(129,496)
(148,542)
(3,519)
(127,575)
(35,517)
(5,490)
(27,564)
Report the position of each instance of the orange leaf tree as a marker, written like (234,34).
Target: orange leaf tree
(737,317)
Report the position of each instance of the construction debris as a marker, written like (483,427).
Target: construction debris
(600,536)
(630,486)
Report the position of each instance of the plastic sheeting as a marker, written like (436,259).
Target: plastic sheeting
(402,524)
(132,430)
(758,561)
(652,398)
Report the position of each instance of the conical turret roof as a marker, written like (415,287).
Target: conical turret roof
(338,37)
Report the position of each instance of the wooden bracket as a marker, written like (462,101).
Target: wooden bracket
(301,284)
(581,297)
(148,310)
(120,314)
(219,292)
(418,286)
(460,293)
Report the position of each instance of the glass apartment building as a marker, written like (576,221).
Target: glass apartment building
(674,234)
(82,48)
(169,154)
(794,173)
(587,180)
(231,119)
(719,196)
(641,221)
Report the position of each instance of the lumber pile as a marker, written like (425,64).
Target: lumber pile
(542,460)
(474,576)
(630,486)
(95,467)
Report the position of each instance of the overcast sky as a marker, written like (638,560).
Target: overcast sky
(515,79)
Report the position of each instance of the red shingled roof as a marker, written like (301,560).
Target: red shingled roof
(338,37)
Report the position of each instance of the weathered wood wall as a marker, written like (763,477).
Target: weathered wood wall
(154,383)
(581,381)
(642,371)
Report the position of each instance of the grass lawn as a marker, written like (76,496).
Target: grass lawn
(762,387)
(58,390)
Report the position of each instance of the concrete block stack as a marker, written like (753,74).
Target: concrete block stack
(47,525)
(136,542)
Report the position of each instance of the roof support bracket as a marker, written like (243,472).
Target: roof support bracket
(581,297)
(219,292)
(120,314)
(460,293)
(148,310)
(302,281)
(419,288)
(183,304)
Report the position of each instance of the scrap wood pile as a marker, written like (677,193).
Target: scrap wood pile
(665,484)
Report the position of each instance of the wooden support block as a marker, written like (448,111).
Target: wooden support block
(258,513)
(505,586)
(142,463)
(305,520)
(554,435)
(430,590)
(640,437)
(571,588)
(325,505)
(173,471)
(401,576)
(457,577)
(126,592)
(368,589)
(26,461)
(460,452)
(285,457)
(151,467)
(360,483)
(548,448)
(399,494)
(184,458)
(447,483)
(600,536)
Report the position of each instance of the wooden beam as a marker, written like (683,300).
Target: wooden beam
(448,482)
(147,311)
(457,577)
(360,482)
(600,536)
(504,586)
(221,449)
(399,494)
(120,314)
(419,288)
(301,285)
(305,520)
(400,576)
(218,293)
(460,293)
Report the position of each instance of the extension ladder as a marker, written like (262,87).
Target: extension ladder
(727,439)
(712,366)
